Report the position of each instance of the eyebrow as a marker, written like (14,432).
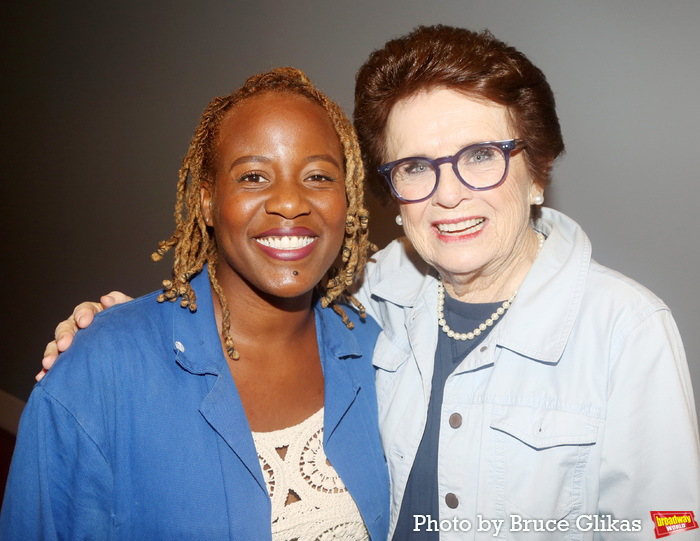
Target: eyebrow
(247,159)
(323,157)
(264,159)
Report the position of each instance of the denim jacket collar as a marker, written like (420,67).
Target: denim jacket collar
(564,260)
(536,328)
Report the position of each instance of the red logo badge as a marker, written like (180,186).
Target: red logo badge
(670,522)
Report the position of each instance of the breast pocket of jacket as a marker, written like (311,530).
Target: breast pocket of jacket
(389,359)
(541,456)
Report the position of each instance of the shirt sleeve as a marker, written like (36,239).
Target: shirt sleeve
(651,451)
(59,481)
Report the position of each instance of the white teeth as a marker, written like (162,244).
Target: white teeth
(473,225)
(285,243)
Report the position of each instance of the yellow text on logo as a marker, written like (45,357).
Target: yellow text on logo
(669,521)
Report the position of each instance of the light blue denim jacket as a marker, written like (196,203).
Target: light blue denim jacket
(578,403)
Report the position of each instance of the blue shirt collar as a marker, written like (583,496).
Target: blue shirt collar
(196,341)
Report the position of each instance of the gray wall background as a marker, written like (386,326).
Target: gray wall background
(100,100)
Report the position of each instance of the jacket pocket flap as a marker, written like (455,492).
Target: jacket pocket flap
(387,355)
(544,428)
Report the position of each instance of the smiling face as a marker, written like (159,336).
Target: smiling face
(278,202)
(480,242)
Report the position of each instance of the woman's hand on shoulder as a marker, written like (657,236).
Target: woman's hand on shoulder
(81,317)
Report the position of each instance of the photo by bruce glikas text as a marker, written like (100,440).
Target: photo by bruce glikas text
(517,523)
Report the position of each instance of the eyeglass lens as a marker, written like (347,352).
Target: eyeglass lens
(480,167)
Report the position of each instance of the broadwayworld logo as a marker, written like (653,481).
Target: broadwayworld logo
(670,522)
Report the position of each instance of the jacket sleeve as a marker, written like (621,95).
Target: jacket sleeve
(59,481)
(651,451)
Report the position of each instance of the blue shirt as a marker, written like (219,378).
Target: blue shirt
(421,496)
(138,432)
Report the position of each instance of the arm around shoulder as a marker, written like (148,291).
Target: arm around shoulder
(82,317)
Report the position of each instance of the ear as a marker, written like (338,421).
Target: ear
(205,198)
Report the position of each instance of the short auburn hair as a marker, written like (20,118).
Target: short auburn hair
(473,63)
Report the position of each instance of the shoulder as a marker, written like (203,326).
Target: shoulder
(580,305)
(638,321)
(358,341)
(140,324)
(117,335)
(602,288)
(398,255)
(129,317)
(620,293)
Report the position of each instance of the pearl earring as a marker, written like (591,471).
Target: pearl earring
(538,199)
(399,220)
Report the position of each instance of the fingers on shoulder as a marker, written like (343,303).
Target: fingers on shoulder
(114,297)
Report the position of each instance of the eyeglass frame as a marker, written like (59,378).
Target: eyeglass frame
(506,147)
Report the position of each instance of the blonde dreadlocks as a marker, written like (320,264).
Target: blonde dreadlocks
(195,244)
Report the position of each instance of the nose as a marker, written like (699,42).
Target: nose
(287,199)
(450,190)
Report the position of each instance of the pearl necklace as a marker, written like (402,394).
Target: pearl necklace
(489,321)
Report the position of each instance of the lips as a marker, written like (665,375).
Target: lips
(468,226)
(287,244)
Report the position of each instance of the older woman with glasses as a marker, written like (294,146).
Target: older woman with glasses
(523,388)
(517,378)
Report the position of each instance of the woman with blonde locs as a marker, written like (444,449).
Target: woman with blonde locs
(264,429)
(192,240)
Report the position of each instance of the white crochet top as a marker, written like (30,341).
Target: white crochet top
(309,501)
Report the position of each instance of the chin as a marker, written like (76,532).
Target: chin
(456,263)
(288,286)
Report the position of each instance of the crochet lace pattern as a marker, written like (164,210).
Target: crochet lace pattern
(309,500)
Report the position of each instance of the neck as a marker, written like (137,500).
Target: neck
(259,319)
